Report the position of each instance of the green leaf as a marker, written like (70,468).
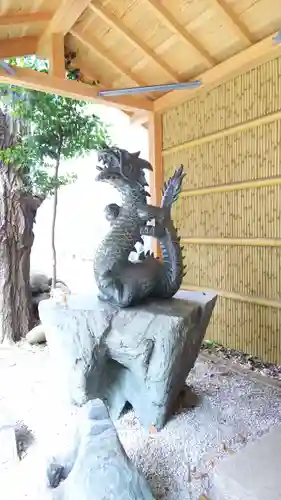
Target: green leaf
(53,128)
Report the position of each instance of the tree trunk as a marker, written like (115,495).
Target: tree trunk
(53,242)
(17,213)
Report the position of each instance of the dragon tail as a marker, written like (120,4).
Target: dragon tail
(172,188)
(172,259)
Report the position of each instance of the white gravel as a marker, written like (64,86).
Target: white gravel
(231,410)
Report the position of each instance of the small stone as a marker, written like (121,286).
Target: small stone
(36,335)
(266,372)
(152,429)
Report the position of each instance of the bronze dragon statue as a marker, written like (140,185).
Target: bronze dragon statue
(120,281)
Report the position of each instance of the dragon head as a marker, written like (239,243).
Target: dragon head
(120,168)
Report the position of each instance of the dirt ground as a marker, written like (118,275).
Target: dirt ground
(221,411)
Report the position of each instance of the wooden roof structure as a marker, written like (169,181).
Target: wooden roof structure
(127,43)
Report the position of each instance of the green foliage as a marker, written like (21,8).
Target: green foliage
(56,128)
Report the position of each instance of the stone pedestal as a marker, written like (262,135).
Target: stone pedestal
(140,355)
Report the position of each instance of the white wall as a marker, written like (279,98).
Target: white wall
(80,219)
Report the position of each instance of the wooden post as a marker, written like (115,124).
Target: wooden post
(155,158)
(56,55)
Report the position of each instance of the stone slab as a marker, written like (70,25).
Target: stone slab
(100,469)
(253,473)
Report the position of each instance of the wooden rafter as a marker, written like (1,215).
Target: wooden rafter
(43,82)
(95,46)
(66,15)
(17,47)
(169,20)
(14,18)
(62,21)
(246,59)
(117,24)
(234,22)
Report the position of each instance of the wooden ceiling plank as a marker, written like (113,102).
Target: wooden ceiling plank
(96,46)
(171,22)
(43,82)
(62,21)
(17,47)
(117,24)
(56,58)
(245,60)
(234,22)
(15,18)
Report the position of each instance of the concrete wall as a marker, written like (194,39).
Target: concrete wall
(229,215)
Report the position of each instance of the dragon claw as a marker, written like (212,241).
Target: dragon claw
(142,256)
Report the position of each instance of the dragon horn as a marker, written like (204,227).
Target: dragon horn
(146,165)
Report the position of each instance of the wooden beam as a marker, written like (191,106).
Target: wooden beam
(117,24)
(245,60)
(234,22)
(56,59)
(171,22)
(43,82)
(156,160)
(139,118)
(95,46)
(17,47)
(15,18)
(62,21)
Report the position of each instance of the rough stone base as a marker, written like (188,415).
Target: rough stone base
(140,355)
(100,468)
(253,473)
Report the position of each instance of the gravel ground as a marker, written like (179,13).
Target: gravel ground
(220,412)
(246,360)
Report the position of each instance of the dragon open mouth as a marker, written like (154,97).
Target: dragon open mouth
(117,164)
(109,164)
